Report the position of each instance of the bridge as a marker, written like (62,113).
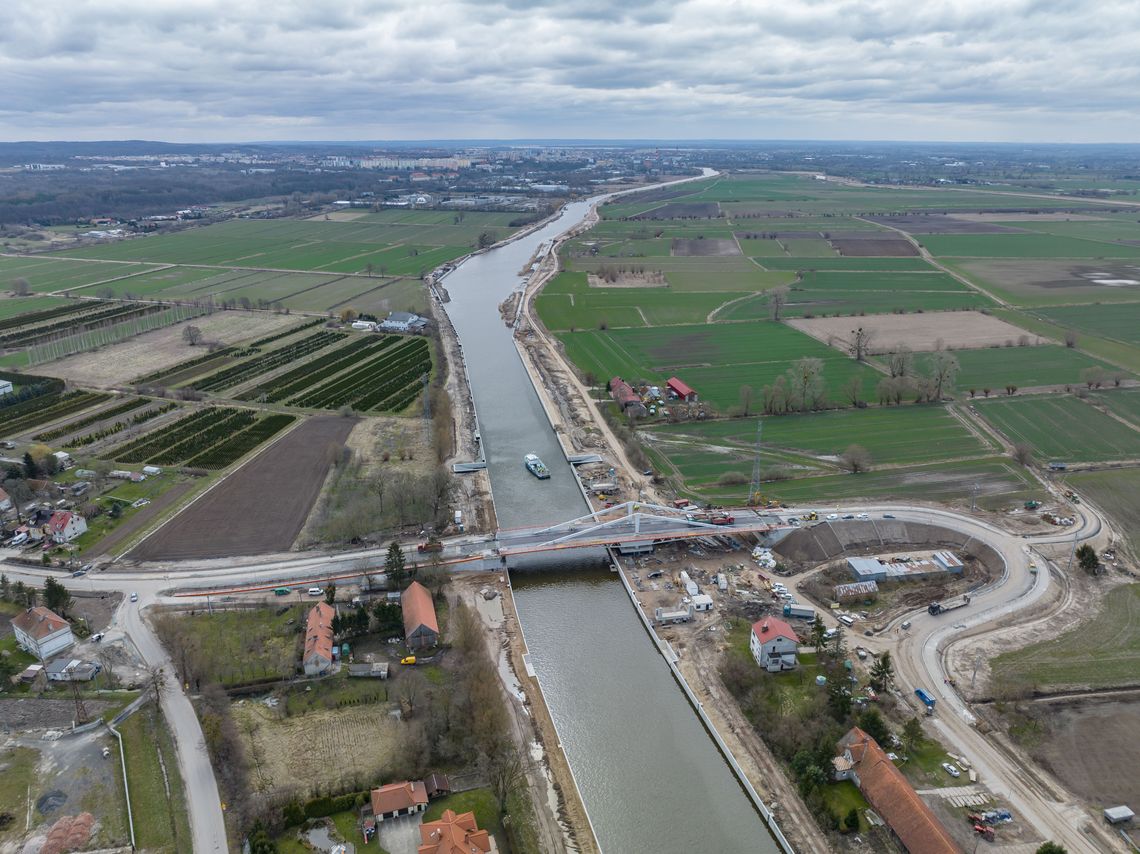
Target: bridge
(631,523)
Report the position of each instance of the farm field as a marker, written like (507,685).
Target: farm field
(1119,321)
(1117,493)
(46,274)
(121,363)
(11,306)
(1024,246)
(1034,282)
(1116,352)
(919,332)
(716,360)
(162,825)
(1062,427)
(854,265)
(293,469)
(1024,367)
(1103,651)
(1122,402)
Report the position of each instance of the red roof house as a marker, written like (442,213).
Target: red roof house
(774,644)
(420,626)
(42,632)
(454,834)
(891,796)
(396,799)
(681,390)
(64,526)
(318,639)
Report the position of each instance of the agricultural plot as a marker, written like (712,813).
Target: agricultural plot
(1124,403)
(48,274)
(1062,427)
(209,438)
(1118,321)
(247,369)
(716,360)
(890,332)
(46,409)
(900,265)
(388,382)
(1025,367)
(1031,282)
(1102,652)
(318,370)
(21,309)
(1117,493)
(1024,246)
(870,247)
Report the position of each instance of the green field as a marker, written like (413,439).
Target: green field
(1122,402)
(1117,493)
(1062,427)
(1119,321)
(902,265)
(1023,246)
(1024,367)
(15,306)
(716,360)
(1046,282)
(53,273)
(1102,652)
(161,822)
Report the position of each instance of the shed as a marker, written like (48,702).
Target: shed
(681,390)
(420,626)
(1118,815)
(437,785)
(702,602)
(5,387)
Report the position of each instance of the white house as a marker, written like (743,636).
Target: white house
(41,632)
(402,321)
(64,526)
(774,644)
(5,387)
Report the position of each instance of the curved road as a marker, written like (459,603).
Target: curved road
(918,656)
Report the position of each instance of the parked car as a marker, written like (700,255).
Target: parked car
(78,573)
(952,770)
(832,516)
(888,516)
(134,597)
(281,591)
(316,591)
(862,516)
(849,516)
(905,625)
(98,636)
(408,659)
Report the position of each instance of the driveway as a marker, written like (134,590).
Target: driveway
(400,834)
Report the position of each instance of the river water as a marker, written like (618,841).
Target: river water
(651,778)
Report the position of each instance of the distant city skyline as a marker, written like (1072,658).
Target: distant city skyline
(1024,71)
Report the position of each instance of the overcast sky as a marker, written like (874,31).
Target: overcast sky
(238,70)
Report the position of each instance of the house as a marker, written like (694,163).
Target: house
(774,644)
(318,656)
(402,321)
(396,799)
(626,398)
(454,834)
(420,626)
(71,670)
(862,761)
(41,632)
(680,390)
(437,785)
(64,526)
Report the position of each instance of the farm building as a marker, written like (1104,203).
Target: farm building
(64,526)
(680,390)
(420,626)
(856,590)
(874,569)
(437,785)
(862,761)
(42,633)
(627,399)
(454,834)
(403,321)
(774,644)
(396,799)
(318,656)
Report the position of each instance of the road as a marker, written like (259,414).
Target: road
(918,655)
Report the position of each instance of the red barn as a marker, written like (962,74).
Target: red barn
(681,390)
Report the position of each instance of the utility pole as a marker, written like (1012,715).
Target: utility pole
(974,499)
(1072,552)
(80,707)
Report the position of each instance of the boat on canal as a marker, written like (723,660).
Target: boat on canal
(536,466)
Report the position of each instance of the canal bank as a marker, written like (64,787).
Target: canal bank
(648,773)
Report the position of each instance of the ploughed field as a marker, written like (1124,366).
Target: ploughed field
(261,507)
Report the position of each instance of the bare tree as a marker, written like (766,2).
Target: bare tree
(192,335)
(943,371)
(747,397)
(504,770)
(805,379)
(412,687)
(21,287)
(855,459)
(900,363)
(777,299)
(860,343)
(1070,339)
(1093,377)
(1023,454)
(853,390)
(155,681)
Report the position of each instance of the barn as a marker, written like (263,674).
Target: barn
(679,390)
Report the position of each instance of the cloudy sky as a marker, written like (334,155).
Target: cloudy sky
(236,70)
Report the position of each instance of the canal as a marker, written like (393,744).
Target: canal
(651,778)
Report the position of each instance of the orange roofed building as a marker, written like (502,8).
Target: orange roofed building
(891,796)
(455,834)
(319,639)
(420,626)
(396,799)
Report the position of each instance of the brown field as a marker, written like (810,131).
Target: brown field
(118,364)
(707,247)
(1092,748)
(1052,279)
(682,210)
(356,742)
(648,279)
(259,508)
(1006,216)
(943,224)
(874,247)
(139,520)
(338,216)
(958,329)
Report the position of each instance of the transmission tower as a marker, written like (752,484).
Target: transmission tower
(754,489)
(80,708)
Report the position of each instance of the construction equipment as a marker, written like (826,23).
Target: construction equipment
(926,698)
(810,517)
(936,608)
(1032,505)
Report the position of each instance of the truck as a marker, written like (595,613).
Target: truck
(721,519)
(926,698)
(949,604)
(432,545)
(810,517)
(802,611)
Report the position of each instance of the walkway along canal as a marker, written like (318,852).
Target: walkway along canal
(650,775)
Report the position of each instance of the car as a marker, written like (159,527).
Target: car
(849,516)
(888,516)
(862,516)
(142,502)
(281,591)
(408,659)
(316,591)
(952,770)
(98,636)
(134,597)
(78,573)
(832,516)
(905,625)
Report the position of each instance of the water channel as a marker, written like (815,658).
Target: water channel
(650,776)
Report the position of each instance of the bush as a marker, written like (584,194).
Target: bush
(326,805)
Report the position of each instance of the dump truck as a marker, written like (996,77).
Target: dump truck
(949,604)
(926,698)
(432,545)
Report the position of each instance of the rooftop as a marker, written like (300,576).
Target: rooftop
(773,627)
(39,622)
(418,608)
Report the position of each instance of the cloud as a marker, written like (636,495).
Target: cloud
(1048,70)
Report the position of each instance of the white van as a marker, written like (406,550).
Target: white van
(846,620)
(19,539)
